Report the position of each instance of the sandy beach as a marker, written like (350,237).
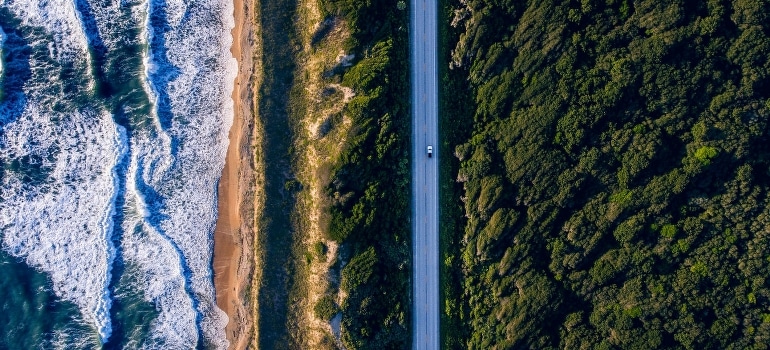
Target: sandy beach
(232,245)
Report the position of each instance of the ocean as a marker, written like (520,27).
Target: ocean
(114,117)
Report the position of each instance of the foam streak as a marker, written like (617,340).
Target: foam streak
(98,134)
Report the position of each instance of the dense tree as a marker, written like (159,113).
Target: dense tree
(615,180)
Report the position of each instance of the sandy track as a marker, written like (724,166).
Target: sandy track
(232,236)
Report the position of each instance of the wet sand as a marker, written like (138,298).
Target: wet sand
(231,249)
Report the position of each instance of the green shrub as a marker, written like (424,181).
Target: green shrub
(668,231)
(326,308)
(319,248)
(358,270)
(705,154)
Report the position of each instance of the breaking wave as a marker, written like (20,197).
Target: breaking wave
(113,132)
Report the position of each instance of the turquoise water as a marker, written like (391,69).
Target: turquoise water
(113,130)
(32,317)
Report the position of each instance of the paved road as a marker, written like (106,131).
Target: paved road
(425,174)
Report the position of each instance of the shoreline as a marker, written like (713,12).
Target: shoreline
(232,254)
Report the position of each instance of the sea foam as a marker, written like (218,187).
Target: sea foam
(2,41)
(177,162)
(57,195)
(62,226)
(164,166)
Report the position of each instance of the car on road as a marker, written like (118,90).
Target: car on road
(430,151)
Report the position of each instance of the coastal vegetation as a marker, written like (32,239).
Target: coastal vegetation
(365,187)
(611,174)
(274,201)
(334,246)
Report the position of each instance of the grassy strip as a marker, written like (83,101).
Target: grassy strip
(455,118)
(276,225)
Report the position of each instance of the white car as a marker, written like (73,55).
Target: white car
(430,151)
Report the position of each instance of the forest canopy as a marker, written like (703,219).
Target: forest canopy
(614,181)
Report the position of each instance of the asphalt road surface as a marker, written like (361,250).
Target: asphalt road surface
(425,174)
